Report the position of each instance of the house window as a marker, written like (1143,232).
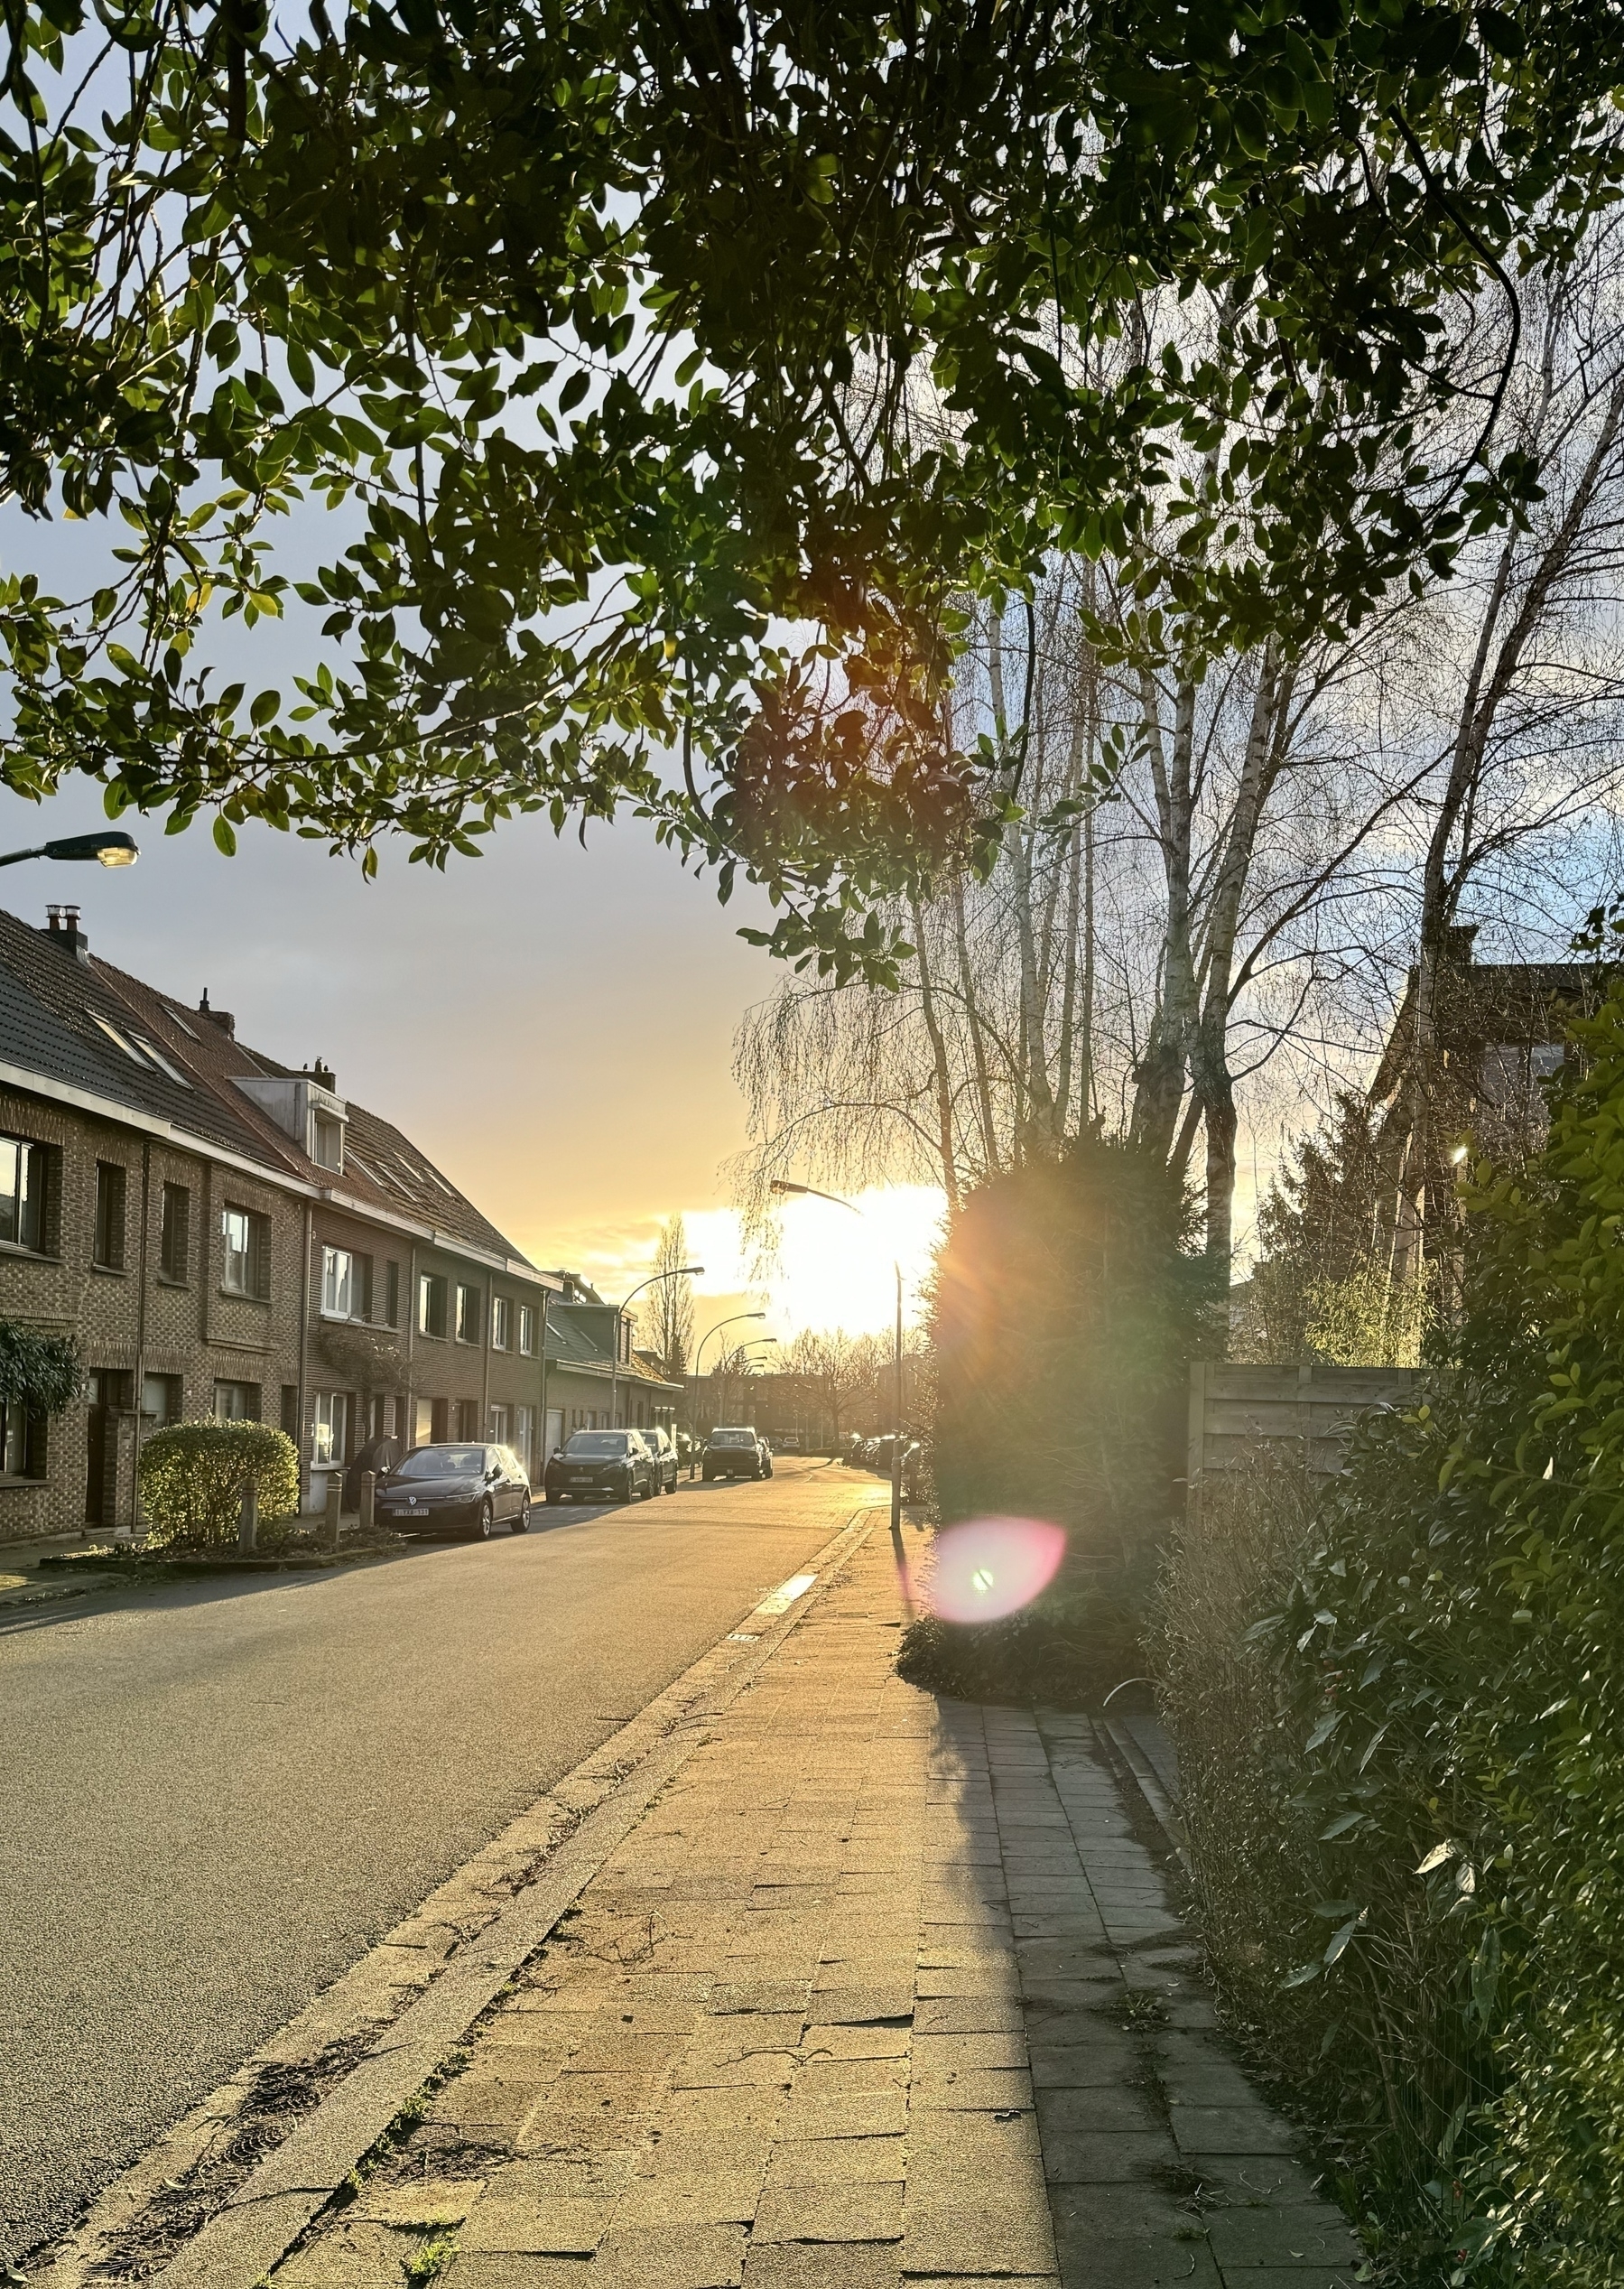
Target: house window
(332,1427)
(330,1142)
(468,1419)
(501,1322)
(500,1430)
(245,1267)
(527,1330)
(174,1233)
(22,1442)
(338,1283)
(468,1304)
(161,1399)
(430,1303)
(22,1193)
(236,1403)
(523,1435)
(392,1295)
(108,1244)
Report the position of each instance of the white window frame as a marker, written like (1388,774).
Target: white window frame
(330,1437)
(527,1331)
(467,1288)
(426,1288)
(338,1283)
(501,1322)
(26,1193)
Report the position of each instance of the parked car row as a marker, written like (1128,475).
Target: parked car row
(612,1466)
(457,1487)
(875,1454)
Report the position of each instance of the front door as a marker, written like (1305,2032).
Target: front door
(108,1391)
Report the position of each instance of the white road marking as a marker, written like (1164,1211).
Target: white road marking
(786,1593)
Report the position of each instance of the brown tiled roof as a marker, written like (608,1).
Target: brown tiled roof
(50,1003)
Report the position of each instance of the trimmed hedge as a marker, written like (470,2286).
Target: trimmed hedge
(194,1478)
(1424,1863)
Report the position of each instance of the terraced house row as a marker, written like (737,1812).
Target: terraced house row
(224,1235)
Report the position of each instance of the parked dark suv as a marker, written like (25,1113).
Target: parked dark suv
(601,1466)
(454,1488)
(737,1451)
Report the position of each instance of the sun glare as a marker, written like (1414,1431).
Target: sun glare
(833,1270)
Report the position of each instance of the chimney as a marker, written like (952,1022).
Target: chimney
(63,930)
(222,1017)
(324,1077)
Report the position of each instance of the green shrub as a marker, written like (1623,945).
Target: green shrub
(42,1371)
(1067,1306)
(1438,1754)
(193,1476)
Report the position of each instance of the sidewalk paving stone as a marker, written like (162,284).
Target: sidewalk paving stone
(848,2009)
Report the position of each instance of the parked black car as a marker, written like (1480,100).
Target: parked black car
(455,1489)
(737,1451)
(662,1447)
(598,1466)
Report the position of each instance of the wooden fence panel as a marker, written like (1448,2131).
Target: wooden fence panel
(1232,1408)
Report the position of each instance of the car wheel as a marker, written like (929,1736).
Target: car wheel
(521,1524)
(487,1518)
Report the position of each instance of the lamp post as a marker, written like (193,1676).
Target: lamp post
(116,849)
(698,1349)
(745,1365)
(682,1271)
(810,1192)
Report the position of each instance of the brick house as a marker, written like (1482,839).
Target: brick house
(1497,1035)
(225,1236)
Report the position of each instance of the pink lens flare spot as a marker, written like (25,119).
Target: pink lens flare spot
(990,1566)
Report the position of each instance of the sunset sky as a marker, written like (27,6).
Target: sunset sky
(554,1026)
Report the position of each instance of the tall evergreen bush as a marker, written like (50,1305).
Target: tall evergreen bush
(1067,1306)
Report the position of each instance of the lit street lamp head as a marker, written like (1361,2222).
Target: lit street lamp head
(111,848)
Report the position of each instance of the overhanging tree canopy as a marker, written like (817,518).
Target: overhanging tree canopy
(675,370)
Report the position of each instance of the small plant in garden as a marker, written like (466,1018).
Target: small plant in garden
(194,1478)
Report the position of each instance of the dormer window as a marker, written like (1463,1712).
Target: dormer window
(327,1143)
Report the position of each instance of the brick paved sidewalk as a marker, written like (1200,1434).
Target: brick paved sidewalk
(880,1991)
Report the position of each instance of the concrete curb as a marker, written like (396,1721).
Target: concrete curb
(1134,1768)
(542,1862)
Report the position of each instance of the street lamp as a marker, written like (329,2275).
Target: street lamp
(739,1360)
(116,849)
(810,1192)
(699,1352)
(682,1271)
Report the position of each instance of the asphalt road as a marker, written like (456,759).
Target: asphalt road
(217,1798)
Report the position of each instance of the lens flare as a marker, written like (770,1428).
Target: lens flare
(990,1566)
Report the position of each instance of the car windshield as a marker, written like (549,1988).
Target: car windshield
(733,1438)
(598,1442)
(443,1462)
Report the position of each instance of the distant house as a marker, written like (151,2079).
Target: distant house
(225,1235)
(1498,1034)
(583,1380)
